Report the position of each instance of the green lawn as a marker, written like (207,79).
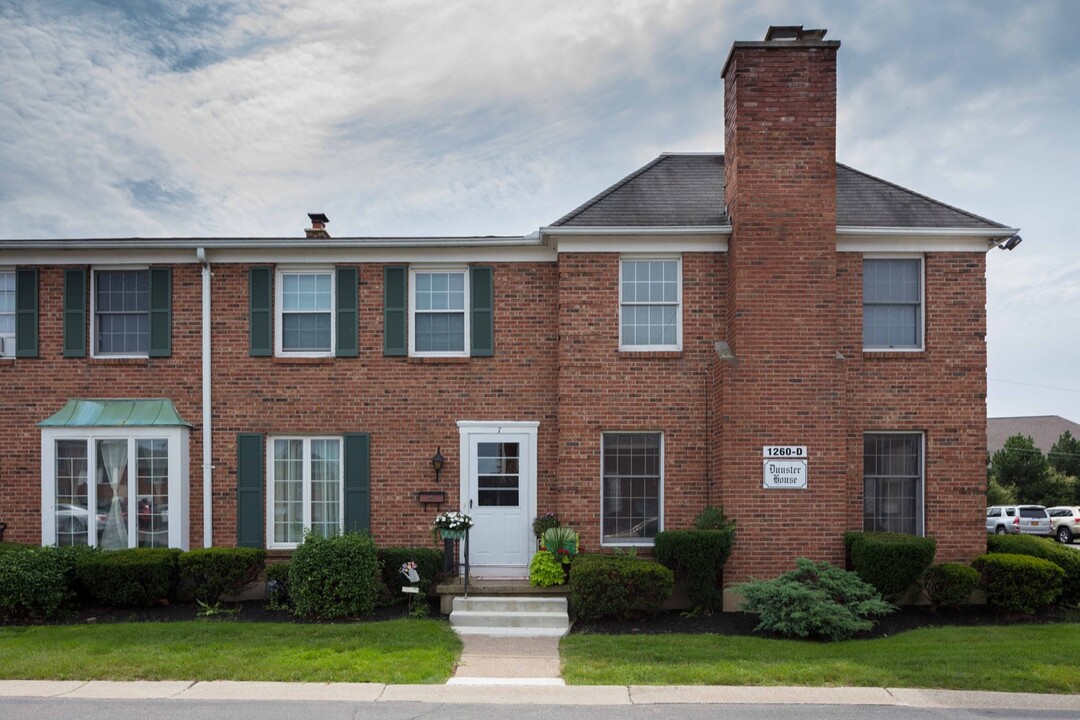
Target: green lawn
(1028,658)
(398,651)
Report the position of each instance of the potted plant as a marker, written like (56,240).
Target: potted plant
(452,525)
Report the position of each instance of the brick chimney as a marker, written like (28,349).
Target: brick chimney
(785,385)
(318,227)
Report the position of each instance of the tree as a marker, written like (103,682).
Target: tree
(1020,464)
(998,494)
(1064,456)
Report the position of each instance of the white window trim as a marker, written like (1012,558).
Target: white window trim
(920,515)
(921,257)
(643,542)
(467,311)
(7,342)
(279,308)
(678,305)
(93,311)
(177,438)
(306,485)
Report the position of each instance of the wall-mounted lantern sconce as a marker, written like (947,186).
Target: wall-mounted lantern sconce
(437,463)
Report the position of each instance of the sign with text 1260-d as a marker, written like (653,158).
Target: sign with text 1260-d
(784,467)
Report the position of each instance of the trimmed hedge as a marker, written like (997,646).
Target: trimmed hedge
(1066,559)
(1020,583)
(334,577)
(129,578)
(697,557)
(891,562)
(950,585)
(213,572)
(429,562)
(815,600)
(38,583)
(619,587)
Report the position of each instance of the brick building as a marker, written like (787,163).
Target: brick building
(767,330)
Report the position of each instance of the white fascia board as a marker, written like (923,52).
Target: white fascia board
(638,239)
(276,255)
(881,239)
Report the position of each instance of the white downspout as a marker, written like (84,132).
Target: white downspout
(207,409)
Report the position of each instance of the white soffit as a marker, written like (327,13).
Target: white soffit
(637,239)
(874,239)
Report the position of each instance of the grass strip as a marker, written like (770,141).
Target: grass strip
(1028,658)
(398,651)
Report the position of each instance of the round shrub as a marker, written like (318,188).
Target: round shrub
(213,572)
(129,578)
(697,557)
(1065,558)
(334,577)
(545,570)
(891,562)
(619,587)
(815,600)
(35,583)
(950,585)
(1019,583)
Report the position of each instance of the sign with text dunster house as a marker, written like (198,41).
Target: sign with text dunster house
(784,467)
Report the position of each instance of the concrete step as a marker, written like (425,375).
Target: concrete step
(510,616)
(498,603)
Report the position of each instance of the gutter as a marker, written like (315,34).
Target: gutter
(207,409)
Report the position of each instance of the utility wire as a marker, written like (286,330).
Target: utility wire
(1045,387)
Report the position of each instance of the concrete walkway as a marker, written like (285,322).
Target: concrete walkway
(502,660)
(532,695)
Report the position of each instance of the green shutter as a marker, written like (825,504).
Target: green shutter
(261,305)
(481,287)
(249,490)
(26,313)
(357,482)
(347,290)
(160,312)
(75,313)
(395,289)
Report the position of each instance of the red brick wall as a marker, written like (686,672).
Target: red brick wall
(602,389)
(35,388)
(409,406)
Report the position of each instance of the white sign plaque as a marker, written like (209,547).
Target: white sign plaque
(784,474)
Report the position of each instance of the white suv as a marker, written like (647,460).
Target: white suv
(1065,522)
(1016,519)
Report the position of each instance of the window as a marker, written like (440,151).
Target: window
(305,317)
(892,304)
(7,313)
(631,488)
(893,482)
(305,485)
(121,312)
(439,317)
(114,488)
(650,299)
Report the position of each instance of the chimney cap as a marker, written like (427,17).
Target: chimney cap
(793,33)
(318,218)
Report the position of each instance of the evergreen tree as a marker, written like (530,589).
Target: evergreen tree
(1020,464)
(1064,456)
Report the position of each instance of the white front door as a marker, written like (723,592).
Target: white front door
(499,492)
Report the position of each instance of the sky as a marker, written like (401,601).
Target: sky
(236,118)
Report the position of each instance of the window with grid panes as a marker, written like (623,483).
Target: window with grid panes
(631,487)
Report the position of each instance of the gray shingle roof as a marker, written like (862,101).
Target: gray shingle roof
(1044,430)
(687,190)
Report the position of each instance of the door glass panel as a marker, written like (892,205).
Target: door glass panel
(498,478)
(152,506)
(325,487)
(112,494)
(288,491)
(72,493)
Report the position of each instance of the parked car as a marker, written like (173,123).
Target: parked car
(1065,523)
(1016,519)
